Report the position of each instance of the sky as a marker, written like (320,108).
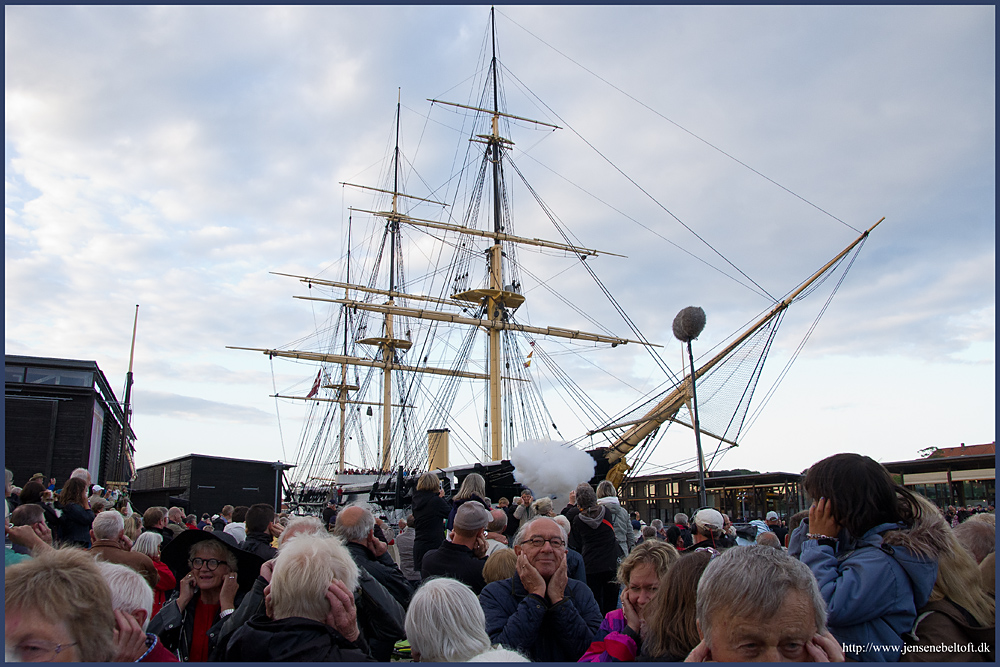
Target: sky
(172,157)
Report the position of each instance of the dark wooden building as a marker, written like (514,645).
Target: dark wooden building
(956,478)
(61,414)
(203,484)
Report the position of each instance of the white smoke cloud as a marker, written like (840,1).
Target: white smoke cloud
(551,468)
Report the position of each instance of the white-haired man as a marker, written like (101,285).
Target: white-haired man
(758,604)
(133,597)
(380,615)
(313,616)
(356,525)
(540,611)
(109,543)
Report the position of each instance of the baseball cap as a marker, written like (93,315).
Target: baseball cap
(472,516)
(709,517)
(772,516)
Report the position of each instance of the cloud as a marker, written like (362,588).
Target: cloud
(192,408)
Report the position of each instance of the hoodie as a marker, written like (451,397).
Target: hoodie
(593,536)
(622,524)
(874,585)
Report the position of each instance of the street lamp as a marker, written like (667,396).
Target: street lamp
(688,324)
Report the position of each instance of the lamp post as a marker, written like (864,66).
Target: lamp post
(688,324)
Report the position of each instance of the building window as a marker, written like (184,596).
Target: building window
(60,377)
(13,374)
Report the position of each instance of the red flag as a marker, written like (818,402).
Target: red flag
(315,388)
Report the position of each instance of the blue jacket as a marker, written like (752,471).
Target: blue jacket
(872,594)
(544,633)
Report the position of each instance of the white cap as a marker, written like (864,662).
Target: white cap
(772,516)
(710,517)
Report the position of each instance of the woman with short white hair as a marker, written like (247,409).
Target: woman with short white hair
(313,617)
(445,622)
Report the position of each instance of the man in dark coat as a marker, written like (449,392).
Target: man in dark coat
(357,525)
(261,531)
(462,558)
(540,611)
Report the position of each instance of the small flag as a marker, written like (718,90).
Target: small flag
(527,364)
(315,387)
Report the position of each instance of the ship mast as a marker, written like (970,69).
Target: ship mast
(493,308)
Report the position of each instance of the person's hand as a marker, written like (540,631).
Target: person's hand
(187,589)
(129,638)
(498,537)
(343,615)
(821,521)
(530,577)
(557,584)
(27,537)
(275,529)
(700,653)
(227,596)
(377,546)
(125,542)
(42,530)
(824,648)
(632,617)
(267,569)
(441,493)
(268,604)
(480,547)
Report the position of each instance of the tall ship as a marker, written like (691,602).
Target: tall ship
(428,347)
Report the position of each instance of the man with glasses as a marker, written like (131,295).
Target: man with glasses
(540,611)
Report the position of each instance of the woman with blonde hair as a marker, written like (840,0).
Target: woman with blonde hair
(133,526)
(959,610)
(671,631)
(473,488)
(502,564)
(542,507)
(430,510)
(619,636)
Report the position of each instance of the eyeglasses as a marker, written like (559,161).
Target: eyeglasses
(38,650)
(211,563)
(539,542)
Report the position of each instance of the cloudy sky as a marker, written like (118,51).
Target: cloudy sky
(172,157)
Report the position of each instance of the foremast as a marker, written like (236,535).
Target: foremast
(666,410)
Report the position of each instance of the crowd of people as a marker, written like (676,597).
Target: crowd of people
(870,572)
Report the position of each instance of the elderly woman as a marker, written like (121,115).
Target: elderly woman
(149,544)
(58,609)
(640,573)
(216,575)
(445,622)
(77,517)
(313,617)
(430,510)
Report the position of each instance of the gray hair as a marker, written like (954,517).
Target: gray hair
(498,521)
(978,537)
(752,582)
(301,525)
(445,622)
(147,543)
(303,571)
(130,591)
(606,489)
(522,532)
(585,496)
(769,539)
(108,525)
(81,473)
(563,522)
(360,530)
(657,524)
(681,518)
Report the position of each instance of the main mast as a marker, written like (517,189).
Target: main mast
(493,308)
